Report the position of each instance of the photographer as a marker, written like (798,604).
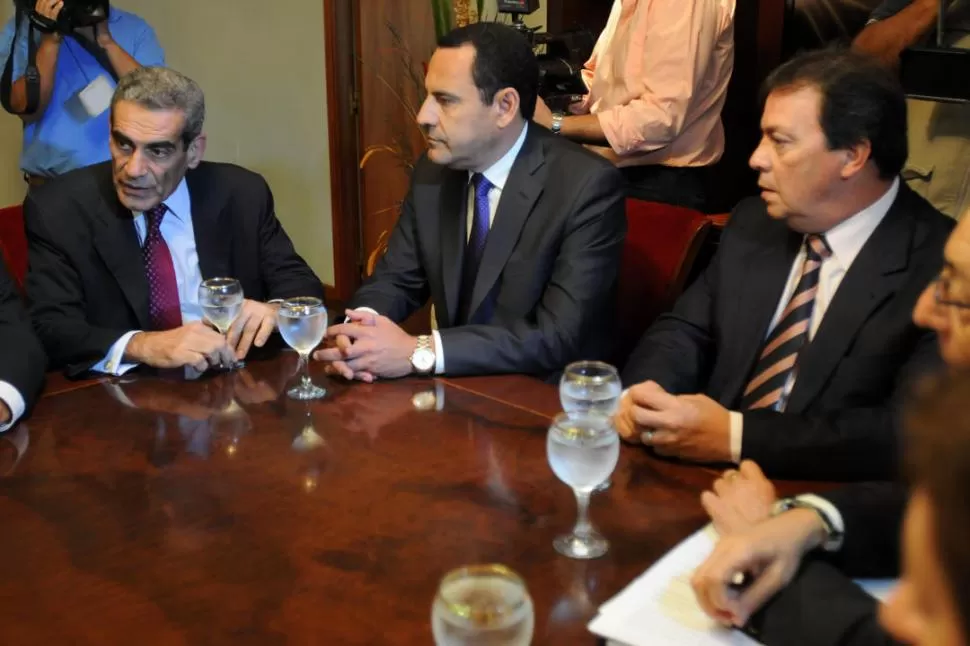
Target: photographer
(657,81)
(69,128)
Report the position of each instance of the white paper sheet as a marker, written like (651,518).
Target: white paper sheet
(659,606)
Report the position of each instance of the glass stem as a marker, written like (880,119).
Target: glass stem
(305,383)
(582,528)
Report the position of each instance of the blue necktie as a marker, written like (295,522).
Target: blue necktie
(474,251)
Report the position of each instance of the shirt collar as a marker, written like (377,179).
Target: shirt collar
(178,203)
(847,238)
(498,173)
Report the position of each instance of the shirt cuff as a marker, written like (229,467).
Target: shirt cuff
(14,401)
(828,510)
(362,309)
(737,431)
(113,363)
(439,353)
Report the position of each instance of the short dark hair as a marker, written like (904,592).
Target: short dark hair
(938,462)
(503,58)
(861,100)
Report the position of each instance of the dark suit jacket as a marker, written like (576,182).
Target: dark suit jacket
(822,606)
(86,283)
(839,421)
(22,359)
(550,262)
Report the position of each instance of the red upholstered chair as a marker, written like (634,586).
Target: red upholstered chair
(13,242)
(662,242)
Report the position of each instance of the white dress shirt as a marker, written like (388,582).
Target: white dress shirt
(846,241)
(497,174)
(10,396)
(179,235)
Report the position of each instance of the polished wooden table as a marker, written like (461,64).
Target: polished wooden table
(154,510)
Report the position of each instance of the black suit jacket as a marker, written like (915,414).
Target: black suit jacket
(86,283)
(22,359)
(822,606)
(550,262)
(838,423)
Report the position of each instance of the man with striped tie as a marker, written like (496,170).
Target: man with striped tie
(791,347)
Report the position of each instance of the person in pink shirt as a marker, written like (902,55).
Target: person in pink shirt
(657,81)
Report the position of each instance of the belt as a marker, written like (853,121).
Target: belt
(35,180)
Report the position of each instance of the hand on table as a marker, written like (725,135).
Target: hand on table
(740,499)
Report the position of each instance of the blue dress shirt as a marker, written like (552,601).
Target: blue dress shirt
(179,235)
(66,137)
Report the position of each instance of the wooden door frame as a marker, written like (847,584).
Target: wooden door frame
(341,36)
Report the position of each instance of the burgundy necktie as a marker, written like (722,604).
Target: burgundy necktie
(779,355)
(164,308)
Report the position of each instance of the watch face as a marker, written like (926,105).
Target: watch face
(423,360)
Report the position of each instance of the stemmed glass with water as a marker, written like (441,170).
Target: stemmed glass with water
(480,605)
(591,388)
(583,449)
(302,322)
(221,300)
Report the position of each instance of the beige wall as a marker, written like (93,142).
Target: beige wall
(11,184)
(262,67)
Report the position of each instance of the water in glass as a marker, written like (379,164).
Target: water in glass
(591,387)
(302,322)
(482,605)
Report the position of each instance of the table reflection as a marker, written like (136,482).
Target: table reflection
(13,446)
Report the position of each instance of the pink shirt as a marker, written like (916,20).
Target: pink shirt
(658,79)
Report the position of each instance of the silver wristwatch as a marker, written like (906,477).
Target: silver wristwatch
(556,126)
(833,536)
(423,359)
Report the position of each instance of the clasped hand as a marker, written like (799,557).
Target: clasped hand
(693,427)
(366,347)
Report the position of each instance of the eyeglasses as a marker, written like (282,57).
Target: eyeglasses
(941,294)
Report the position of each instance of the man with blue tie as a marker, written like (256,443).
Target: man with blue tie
(513,233)
(118,250)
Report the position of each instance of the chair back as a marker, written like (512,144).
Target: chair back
(13,242)
(662,243)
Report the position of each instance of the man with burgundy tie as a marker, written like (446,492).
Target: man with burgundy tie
(22,359)
(794,346)
(118,250)
(513,233)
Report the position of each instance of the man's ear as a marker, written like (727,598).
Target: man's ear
(506,104)
(196,151)
(856,158)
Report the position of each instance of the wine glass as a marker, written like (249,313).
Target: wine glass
(221,300)
(591,387)
(583,450)
(302,322)
(482,605)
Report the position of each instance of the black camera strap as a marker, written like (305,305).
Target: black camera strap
(31,75)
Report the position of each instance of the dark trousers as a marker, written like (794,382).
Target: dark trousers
(681,186)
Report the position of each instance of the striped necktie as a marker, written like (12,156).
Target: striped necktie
(779,357)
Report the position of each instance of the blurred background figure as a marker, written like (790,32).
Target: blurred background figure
(81,52)
(657,82)
(939,132)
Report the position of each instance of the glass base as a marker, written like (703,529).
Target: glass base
(590,546)
(304,392)
(603,486)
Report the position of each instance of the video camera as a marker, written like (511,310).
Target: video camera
(75,14)
(560,56)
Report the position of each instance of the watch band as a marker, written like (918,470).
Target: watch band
(556,126)
(833,535)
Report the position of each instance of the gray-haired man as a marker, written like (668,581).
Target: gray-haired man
(118,250)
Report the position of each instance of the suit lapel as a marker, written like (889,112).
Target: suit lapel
(763,283)
(873,277)
(117,243)
(452,211)
(519,196)
(210,224)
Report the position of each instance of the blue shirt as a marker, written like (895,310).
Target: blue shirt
(179,235)
(66,137)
